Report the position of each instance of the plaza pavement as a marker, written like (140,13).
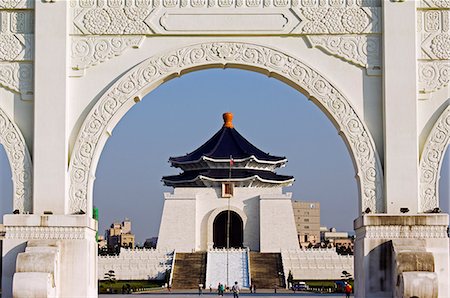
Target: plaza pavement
(206,294)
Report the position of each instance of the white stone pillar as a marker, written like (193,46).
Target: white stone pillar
(50,154)
(374,274)
(401,149)
(76,272)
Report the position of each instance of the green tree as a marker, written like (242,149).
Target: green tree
(110,277)
(346,275)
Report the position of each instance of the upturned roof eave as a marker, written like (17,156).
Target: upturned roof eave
(253,177)
(283,160)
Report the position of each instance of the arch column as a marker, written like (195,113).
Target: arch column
(19,159)
(431,162)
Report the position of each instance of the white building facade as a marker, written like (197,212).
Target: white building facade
(264,218)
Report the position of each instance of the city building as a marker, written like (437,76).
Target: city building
(340,240)
(119,235)
(307,222)
(101,241)
(228,196)
(331,235)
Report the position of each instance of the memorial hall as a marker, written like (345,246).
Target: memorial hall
(228,196)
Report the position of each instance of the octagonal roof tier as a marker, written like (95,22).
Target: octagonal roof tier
(225,145)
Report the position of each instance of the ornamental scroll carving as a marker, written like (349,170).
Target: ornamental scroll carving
(17,77)
(89,51)
(120,96)
(361,50)
(431,162)
(433,75)
(19,159)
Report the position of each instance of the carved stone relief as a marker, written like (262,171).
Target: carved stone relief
(433,75)
(89,51)
(16,4)
(338,21)
(19,159)
(361,50)
(225,3)
(435,3)
(401,232)
(17,77)
(16,21)
(16,49)
(149,17)
(434,29)
(431,162)
(48,233)
(155,69)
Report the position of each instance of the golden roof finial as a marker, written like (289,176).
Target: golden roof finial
(228,119)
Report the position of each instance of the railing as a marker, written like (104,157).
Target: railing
(172,269)
(249,268)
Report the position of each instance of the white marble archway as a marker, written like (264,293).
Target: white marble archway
(431,162)
(19,159)
(147,75)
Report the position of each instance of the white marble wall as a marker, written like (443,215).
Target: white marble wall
(315,264)
(278,230)
(189,213)
(136,264)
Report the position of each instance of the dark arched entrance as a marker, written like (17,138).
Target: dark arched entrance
(220,230)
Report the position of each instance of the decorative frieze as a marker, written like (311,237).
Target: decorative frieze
(361,50)
(342,4)
(20,162)
(48,233)
(91,50)
(331,20)
(17,77)
(171,17)
(396,232)
(433,75)
(431,161)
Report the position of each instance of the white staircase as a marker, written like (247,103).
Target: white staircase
(238,267)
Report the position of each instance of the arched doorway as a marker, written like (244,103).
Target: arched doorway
(221,229)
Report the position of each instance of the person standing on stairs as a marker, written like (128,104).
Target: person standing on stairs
(235,290)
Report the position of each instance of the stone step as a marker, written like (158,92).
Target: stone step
(189,270)
(265,269)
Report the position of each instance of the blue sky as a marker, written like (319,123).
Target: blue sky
(183,113)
